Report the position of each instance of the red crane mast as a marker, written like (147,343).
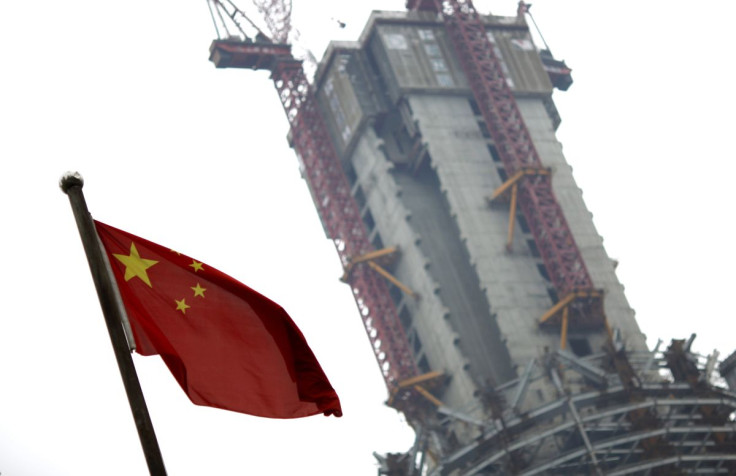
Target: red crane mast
(341,217)
(327,181)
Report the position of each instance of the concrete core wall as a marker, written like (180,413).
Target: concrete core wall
(405,214)
(422,167)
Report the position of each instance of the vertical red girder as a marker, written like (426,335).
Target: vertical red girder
(341,217)
(498,106)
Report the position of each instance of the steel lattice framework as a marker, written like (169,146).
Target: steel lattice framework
(669,419)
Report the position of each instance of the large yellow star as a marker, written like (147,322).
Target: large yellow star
(135,266)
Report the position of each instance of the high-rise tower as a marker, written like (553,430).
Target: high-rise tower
(491,305)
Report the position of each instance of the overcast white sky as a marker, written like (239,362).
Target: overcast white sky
(196,159)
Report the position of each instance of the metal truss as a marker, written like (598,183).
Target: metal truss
(668,423)
(480,61)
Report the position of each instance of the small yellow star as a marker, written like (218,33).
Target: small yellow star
(182,305)
(135,266)
(198,290)
(196,265)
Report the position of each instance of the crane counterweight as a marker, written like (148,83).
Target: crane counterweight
(247,54)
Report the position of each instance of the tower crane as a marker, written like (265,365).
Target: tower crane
(241,44)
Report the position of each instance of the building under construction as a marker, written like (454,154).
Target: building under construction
(493,310)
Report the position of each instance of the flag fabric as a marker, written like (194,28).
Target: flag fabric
(227,345)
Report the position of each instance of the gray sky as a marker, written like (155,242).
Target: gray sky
(196,159)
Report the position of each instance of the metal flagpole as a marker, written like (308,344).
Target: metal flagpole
(71,184)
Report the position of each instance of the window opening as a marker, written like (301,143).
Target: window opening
(438,65)
(543,271)
(523,224)
(433,50)
(494,152)
(445,80)
(533,248)
(377,242)
(359,197)
(426,34)
(396,294)
(474,107)
(484,129)
(417,343)
(405,318)
(424,365)
(369,221)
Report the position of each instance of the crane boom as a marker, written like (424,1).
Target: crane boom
(277,14)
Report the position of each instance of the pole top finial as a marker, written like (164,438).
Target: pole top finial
(69,180)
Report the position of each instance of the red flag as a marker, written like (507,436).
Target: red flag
(227,345)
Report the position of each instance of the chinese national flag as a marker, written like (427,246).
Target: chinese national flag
(227,345)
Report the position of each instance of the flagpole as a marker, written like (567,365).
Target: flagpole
(71,184)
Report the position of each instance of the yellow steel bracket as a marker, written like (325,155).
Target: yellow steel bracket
(563,305)
(512,186)
(418,384)
(425,393)
(563,329)
(375,259)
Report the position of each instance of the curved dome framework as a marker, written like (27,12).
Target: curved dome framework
(657,414)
